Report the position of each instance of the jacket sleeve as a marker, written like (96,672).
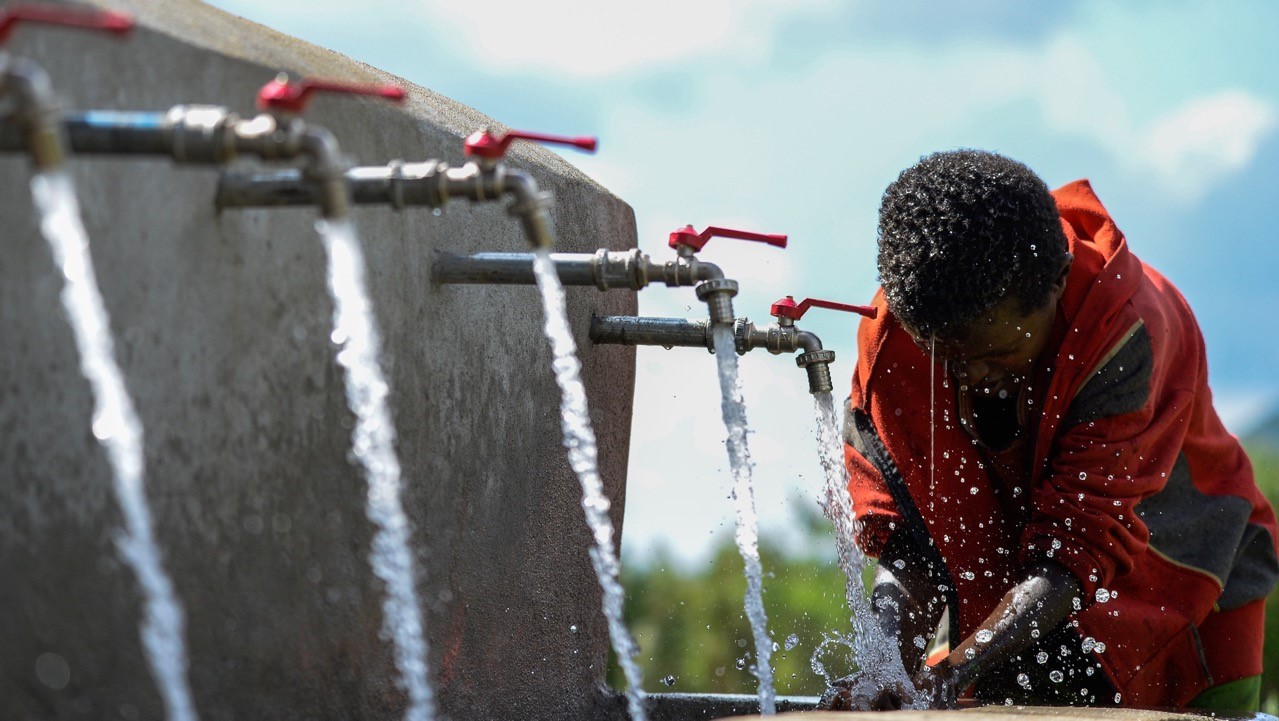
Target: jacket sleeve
(1120,439)
(873,505)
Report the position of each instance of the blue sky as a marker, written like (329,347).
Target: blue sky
(792,117)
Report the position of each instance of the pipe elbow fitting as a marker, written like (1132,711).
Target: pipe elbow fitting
(37,109)
(808,342)
(327,169)
(530,205)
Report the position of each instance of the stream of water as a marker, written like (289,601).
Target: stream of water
(747,531)
(372,443)
(879,663)
(119,431)
(579,438)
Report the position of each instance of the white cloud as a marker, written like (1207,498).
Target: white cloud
(1207,138)
(586,37)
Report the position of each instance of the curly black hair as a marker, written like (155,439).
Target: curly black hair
(959,232)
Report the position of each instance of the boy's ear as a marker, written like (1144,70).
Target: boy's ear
(1060,285)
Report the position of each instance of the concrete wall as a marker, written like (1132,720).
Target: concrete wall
(221,326)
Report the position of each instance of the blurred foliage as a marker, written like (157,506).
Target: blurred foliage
(1265,463)
(692,629)
(694,636)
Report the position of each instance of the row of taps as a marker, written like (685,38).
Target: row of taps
(213,135)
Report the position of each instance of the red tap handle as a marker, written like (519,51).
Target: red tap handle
(788,308)
(695,240)
(289,96)
(484,144)
(106,20)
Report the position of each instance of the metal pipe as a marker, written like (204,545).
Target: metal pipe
(509,268)
(604,269)
(665,332)
(670,332)
(397,184)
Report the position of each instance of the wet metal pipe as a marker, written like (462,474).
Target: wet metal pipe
(666,332)
(604,269)
(671,332)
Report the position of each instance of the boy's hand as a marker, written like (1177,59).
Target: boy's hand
(860,693)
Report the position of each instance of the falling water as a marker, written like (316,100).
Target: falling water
(747,534)
(372,442)
(879,663)
(117,428)
(579,438)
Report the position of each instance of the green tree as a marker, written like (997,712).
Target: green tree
(693,632)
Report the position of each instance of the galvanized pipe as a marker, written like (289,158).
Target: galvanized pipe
(670,332)
(665,332)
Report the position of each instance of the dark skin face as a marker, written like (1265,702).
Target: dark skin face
(997,353)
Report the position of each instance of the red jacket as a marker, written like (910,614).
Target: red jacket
(1133,483)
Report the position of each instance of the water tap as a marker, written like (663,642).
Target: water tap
(777,338)
(279,132)
(715,290)
(815,360)
(430,183)
(36,109)
(487,177)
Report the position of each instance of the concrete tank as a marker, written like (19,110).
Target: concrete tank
(221,326)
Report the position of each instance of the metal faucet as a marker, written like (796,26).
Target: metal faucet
(607,269)
(431,183)
(36,112)
(214,135)
(780,337)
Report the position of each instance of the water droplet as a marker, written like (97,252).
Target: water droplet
(1089,644)
(970,653)
(967,575)
(741,664)
(984,636)
(1102,595)
(1042,657)
(668,680)
(53,671)
(1024,681)
(792,641)
(972,491)
(1056,676)
(1099,648)
(899,564)
(573,628)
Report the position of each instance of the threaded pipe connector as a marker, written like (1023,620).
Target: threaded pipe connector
(718,294)
(817,365)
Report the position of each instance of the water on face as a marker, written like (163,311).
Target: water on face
(372,444)
(874,655)
(117,427)
(579,438)
(747,531)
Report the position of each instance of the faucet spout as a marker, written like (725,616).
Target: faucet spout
(36,110)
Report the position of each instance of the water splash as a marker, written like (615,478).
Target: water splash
(119,431)
(879,665)
(372,443)
(579,438)
(747,533)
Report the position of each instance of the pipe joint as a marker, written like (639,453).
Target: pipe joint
(817,365)
(36,110)
(718,295)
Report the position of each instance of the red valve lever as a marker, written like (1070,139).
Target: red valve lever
(108,20)
(695,240)
(483,144)
(788,308)
(283,95)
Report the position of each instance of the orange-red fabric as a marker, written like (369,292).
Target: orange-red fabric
(1076,506)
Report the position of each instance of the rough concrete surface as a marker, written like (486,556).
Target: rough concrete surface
(221,327)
